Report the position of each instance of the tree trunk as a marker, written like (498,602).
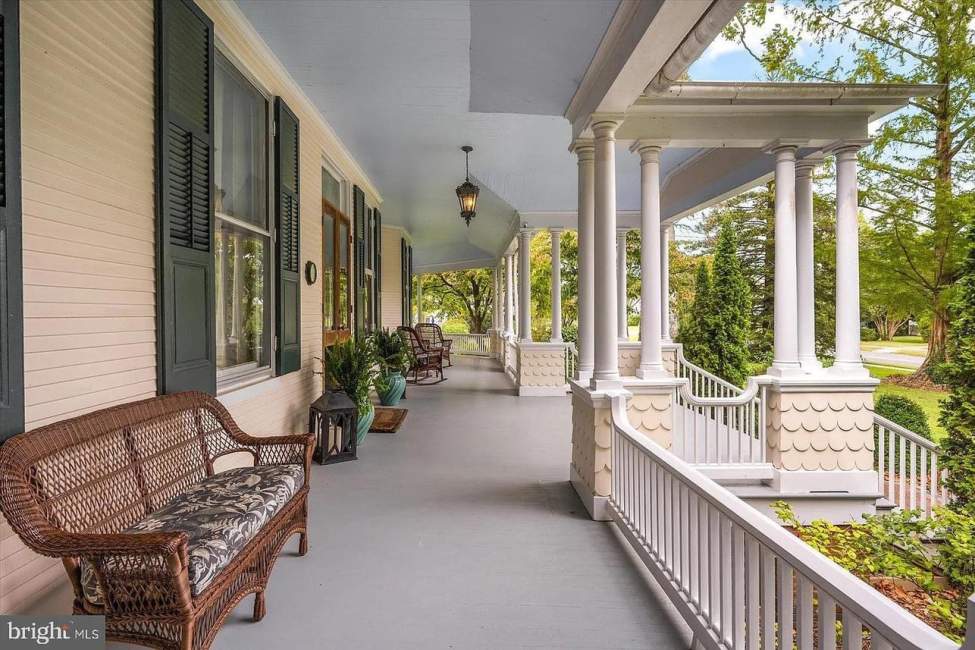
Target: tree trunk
(936,342)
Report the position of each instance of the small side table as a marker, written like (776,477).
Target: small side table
(332,418)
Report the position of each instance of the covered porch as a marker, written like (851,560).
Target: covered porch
(458,531)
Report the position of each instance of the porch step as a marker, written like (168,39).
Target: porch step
(747,473)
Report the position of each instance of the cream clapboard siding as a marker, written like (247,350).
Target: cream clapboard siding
(89,294)
(392,302)
(87,126)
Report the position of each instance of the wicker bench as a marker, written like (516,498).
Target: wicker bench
(150,535)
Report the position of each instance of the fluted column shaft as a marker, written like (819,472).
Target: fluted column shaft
(586,210)
(847,264)
(665,237)
(525,285)
(606,355)
(509,294)
(651,360)
(623,330)
(786,336)
(805,267)
(556,285)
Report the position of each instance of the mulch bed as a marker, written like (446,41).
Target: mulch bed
(915,600)
(919,380)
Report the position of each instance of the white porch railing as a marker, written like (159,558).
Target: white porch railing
(722,430)
(908,473)
(718,422)
(478,345)
(510,360)
(571,361)
(739,579)
(701,382)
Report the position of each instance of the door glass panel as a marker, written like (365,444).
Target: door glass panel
(343,294)
(328,272)
(240,279)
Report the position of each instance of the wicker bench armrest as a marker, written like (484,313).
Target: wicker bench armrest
(158,544)
(280,450)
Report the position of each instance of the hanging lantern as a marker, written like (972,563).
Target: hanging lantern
(467,191)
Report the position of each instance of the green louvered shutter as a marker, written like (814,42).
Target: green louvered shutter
(359,217)
(288,299)
(377,269)
(184,203)
(11,273)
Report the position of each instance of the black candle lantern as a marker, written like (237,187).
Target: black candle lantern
(332,418)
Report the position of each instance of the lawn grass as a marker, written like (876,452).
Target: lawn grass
(928,400)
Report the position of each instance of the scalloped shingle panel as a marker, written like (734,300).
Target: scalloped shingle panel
(821,431)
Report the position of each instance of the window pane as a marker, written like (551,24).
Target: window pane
(343,275)
(328,272)
(240,146)
(241,281)
(331,189)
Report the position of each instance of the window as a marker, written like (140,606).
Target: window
(242,231)
(336,281)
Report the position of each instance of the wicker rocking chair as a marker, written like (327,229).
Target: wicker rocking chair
(422,358)
(432,337)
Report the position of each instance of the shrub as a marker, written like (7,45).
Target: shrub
(958,411)
(868,334)
(905,412)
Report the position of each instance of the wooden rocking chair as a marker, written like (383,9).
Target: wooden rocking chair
(432,337)
(422,358)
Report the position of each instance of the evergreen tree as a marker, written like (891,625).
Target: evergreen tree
(958,411)
(730,301)
(695,327)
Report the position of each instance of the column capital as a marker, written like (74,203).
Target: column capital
(846,146)
(621,232)
(527,232)
(604,125)
(583,148)
(805,166)
(783,144)
(557,230)
(648,149)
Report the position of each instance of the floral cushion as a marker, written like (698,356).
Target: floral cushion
(220,515)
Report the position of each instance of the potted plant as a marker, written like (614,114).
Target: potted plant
(393,362)
(351,367)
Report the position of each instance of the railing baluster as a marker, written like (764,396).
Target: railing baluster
(738,586)
(768,599)
(805,618)
(827,622)
(785,597)
(924,482)
(852,631)
(752,610)
(900,478)
(913,475)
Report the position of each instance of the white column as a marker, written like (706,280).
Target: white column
(622,330)
(606,353)
(556,285)
(847,264)
(524,285)
(651,360)
(584,152)
(509,295)
(786,335)
(496,311)
(419,298)
(805,266)
(666,234)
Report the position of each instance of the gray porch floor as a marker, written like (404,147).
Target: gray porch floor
(459,531)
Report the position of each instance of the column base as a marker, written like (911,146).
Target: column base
(652,372)
(848,369)
(785,369)
(810,365)
(599,385)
